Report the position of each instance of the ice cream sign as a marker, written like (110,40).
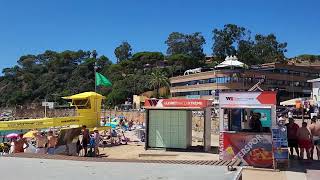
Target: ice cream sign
(248,98)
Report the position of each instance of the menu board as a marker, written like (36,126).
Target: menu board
(280,145)
(279,137)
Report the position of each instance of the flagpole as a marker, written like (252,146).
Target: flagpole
(95,77)
(94,55)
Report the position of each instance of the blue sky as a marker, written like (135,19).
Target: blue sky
(33,26)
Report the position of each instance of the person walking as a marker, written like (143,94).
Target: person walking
(315,132)
(96,137)
(292,129)
(85,139)
(130,125)
(304,140)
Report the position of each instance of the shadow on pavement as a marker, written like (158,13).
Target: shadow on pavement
(303,165)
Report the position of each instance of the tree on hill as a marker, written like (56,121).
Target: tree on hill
(157,80)
(129,77)
(147,59)
(48,75)
(188,46)
(182,61)
(309,57)
(268,49)
(123,51)
(236,40)
(227,39)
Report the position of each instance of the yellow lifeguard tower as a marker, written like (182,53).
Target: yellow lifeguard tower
(88,112)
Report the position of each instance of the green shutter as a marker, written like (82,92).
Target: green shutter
(168,128)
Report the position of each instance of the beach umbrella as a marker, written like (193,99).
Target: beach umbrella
(12,135)
(30,134)
(291,102)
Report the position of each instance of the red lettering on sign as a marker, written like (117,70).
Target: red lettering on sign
(199,103)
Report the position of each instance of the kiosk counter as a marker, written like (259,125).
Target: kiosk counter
(246,122)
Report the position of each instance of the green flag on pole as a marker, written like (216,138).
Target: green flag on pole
(101,80)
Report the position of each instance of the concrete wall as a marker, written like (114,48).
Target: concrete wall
(24,113)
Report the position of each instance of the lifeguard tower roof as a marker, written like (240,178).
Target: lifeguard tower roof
(84,95)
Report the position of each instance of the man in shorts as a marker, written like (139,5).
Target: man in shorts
(292,129)
(85,139)
(304,140)
(315,132)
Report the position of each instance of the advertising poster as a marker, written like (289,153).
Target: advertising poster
(280,143)
(280,153)
(253,149)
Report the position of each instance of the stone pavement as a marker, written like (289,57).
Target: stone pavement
(40,169)
(295,172)
(160,160)
(265,174)
(133,151)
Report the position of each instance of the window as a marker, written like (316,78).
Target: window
(223,80)
(212,80)
(81,103)
(285,71)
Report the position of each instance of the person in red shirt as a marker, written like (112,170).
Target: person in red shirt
(292,129)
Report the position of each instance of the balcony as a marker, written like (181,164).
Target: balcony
(209,86)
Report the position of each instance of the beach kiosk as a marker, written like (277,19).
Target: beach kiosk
(169,123)
(237,138)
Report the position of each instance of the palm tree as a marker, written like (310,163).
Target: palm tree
(157,80)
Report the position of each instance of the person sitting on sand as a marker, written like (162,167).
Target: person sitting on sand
(19,144)
(41,143)
(52,142)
